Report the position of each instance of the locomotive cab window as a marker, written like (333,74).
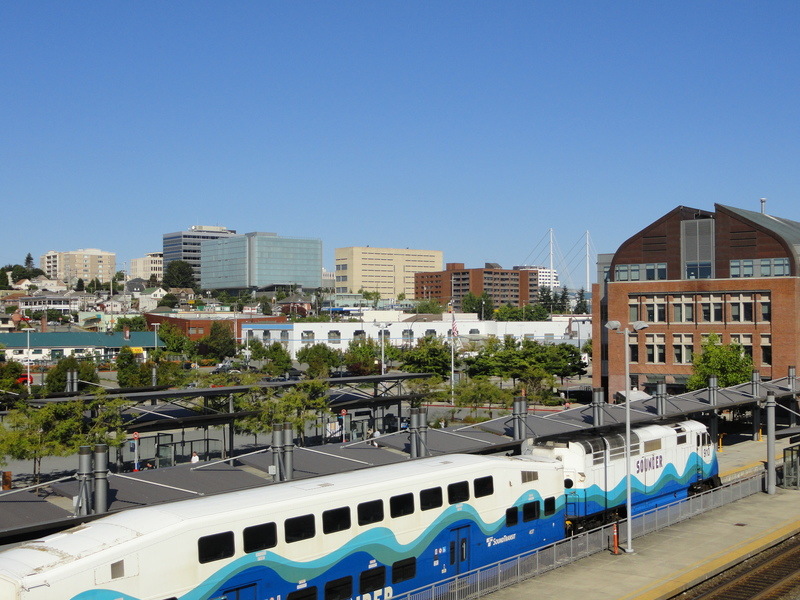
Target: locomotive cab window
(401,505)
(682,439)
(403,570)
(652,445)
(371,580)
(299,528)
(304,594)
(215,547)
(458,492)
(483,486)
(339,589)
(260,537)
(370,512)
(530,511)
(337,519)
(528,476)
(430,498)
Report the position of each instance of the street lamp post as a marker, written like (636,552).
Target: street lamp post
(28,357)
(637,326)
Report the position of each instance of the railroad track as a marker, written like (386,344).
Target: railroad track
(771,575)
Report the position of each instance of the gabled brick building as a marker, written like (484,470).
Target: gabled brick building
(732,272)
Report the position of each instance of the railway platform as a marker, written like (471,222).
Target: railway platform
(667,562)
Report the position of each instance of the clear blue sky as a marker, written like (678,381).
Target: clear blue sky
(468,127)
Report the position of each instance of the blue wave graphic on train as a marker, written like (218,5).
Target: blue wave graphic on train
(670,486)
(376,545)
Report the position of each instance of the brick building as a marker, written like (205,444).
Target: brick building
(198,325)
(691,273)
(518,286)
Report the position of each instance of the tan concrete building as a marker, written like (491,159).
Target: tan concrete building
(85,263)
(389,271)
(152,264)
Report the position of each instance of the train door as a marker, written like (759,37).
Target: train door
(574,501)
(244,592)
(459,549)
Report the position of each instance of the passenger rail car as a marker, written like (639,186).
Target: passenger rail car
(668,463)
(365,535)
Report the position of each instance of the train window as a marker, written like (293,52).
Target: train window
(652,445)
(682,439)
(530,511)
(512,516)
(339,589)
(371,580)
(299,528)
(304,594)
(430,498)
(528,476)
(403,570)
(483,486)
(337,519)
(635,444)
(117,569)
(458,492)
(549,506)
(401,505)
(260,537)
(370,512)
(215,547)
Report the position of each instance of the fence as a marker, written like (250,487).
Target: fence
(491,578)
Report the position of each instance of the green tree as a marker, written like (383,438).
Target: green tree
(80,285)
(581,305)
(279,359)
(373,297)
(507,312)
(29,262)
(136,323)
(173,338)
(538,312)
(546,298)
(169,300)
(728,362)
(480,392)
(428,307)
(303,403)
(482,305)
(362,357)
(4,285)
(430,355)
(179,274)
(321,359)
(130,373)
(428,389)
(220,342)
(56,378)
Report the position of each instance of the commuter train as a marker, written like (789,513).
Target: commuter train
(365,535)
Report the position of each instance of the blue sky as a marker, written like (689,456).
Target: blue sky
(467,127)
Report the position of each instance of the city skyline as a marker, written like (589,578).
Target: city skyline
(466,128)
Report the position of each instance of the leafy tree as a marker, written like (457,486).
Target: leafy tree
(220,342)
(482,305)
(169,300)
(18,272)
(279,359)
(56,378)
(173,338)
(728,362)
(362,357)
(430,355)
(428,389)
(257,349)
(137,323)
(508,312)
(130,373)
(321,359)
(373,297)
(4,285)
(179,274)
(303,403)
(581,305)
(428,307)
(537,384)
(479,392)
(94,285)
(153,281)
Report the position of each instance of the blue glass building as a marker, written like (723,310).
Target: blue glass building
(259,260)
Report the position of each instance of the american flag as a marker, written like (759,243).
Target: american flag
(454,328)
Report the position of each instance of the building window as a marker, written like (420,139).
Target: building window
(736,268)
(682,349)
(655,271)
(307,337)
(656,349)
(766,349)
(766,310)
(334,336)
(633,312)
(745,341)
(698,270)
(634,272)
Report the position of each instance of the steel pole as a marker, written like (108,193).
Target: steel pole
(628,498)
